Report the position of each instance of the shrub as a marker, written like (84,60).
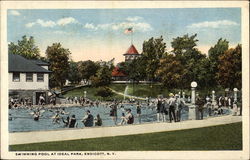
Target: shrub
(104,92)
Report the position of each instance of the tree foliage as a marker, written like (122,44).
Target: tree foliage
(59,64)
(170,71)
(102,77)
(217,50)
(184,45)
(87,69)
(189,56)
(153,50)
(73,74)
(229,68)
(25,47)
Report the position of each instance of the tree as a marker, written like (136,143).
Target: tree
(153,50)
(214,53)
(137,69)
(102,77)
(184,45)
(124,67)
(73,74)
(205,75)
(25,47)
(229,68)
(59,64)
(170,71)
(219,48)
(87,69)
(189,56)
(184,48)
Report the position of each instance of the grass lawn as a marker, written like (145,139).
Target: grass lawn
(140,90)
(91,93)
(222,137)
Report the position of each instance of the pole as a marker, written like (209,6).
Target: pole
(213,96)
(131,37)
(193,95)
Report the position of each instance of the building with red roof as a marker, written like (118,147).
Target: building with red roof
(131,53)
(117,74)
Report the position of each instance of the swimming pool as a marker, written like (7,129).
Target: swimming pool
(21,120)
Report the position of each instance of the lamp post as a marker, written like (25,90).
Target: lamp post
(85,94)
(213,96)
(183,95)
(235,94)
(192,111)
(193,86)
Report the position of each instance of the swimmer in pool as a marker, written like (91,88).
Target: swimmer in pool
(36,116)
(56,118)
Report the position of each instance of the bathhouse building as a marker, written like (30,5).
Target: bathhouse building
(28,78)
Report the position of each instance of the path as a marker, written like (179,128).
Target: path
(95,132)
(128,96)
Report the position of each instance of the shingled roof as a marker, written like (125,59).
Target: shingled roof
(39,62)
(18,63)
(131,51)
(117,73)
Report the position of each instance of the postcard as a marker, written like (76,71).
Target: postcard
(124,80)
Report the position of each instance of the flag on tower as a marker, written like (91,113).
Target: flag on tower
(128,30)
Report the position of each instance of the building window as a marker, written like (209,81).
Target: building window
(16,77)
(40,77)
(29,77)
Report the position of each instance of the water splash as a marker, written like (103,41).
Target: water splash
(125,92)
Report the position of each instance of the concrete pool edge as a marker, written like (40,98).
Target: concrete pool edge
(97,132)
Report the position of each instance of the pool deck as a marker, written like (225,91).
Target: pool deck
(95,132)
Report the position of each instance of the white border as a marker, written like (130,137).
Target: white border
(128,4)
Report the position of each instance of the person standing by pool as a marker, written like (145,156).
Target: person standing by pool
(159,109)
(171,102)
(179,105)
(113,112)
(98,120)
(129,117)
(41,100)
(220,103)
(88,119)
(138,111)
(165,109)
(200,103)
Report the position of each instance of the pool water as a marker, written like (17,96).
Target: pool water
(21,120)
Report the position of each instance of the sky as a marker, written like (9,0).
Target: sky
(98,34)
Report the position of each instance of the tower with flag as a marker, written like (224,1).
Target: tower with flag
(132,52)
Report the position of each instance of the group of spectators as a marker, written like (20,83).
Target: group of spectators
(171,106)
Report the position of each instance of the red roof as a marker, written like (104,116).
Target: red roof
(117,73)
(132,50)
